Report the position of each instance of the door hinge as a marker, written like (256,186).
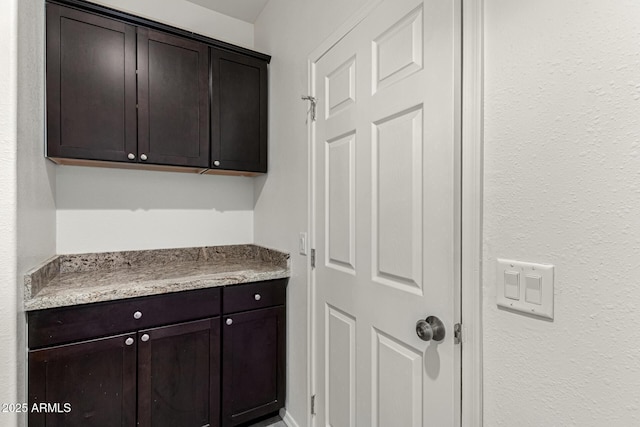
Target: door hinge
(457,333)
(313,258)
(313,404)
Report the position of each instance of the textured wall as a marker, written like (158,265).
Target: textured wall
(562,186)
(36,213)
(110,209)
(290,30)
(8,201)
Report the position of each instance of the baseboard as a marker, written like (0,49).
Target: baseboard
(288,420)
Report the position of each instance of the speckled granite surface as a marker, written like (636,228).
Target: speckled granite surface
(85,278)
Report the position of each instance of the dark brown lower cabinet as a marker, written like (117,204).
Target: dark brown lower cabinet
(181,364)
(90,383)
(178,384)
(253,364)
(179,375)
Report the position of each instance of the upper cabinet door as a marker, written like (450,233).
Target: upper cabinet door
(238,112)
(173,98)
(91,86)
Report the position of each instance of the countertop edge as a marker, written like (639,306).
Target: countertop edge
(150,288)
(277,266)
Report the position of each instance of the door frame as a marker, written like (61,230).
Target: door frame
(471,207)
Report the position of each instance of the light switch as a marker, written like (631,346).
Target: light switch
(512,285)
(536,296)
(533,289)
(302,243)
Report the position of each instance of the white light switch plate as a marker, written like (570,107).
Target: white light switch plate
(528,287)
(302,243)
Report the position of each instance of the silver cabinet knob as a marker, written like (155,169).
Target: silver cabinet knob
(143,157)
(145,337)
(216,163)
(257,297)
(229,321)
(430,328)
(137,315)
(131,156)
(128,341)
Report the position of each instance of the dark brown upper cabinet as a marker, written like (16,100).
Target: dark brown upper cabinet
(238,112)
(145,95)
(173,100)
(91,86)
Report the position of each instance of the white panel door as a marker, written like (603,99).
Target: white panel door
(386,219)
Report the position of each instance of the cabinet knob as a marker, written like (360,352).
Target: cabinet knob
(131,156)
(257,297)
(145,337)
(137,315)
(216,163)
(128,341)
(229,321)
(143,157)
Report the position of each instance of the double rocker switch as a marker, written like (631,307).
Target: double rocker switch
(525,287)
(532,287)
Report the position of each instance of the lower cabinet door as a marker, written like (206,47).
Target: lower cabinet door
(179,375)
(253,364)
(90,383)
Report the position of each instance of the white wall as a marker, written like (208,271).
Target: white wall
(27,212)
(189,16)
(36,214)
(109,209)
(290,30)
(8,205)
(103,210)
(562,186)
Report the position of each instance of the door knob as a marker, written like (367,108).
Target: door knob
(430,328)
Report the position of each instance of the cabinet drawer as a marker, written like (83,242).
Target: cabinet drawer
(68,324)
(255,295)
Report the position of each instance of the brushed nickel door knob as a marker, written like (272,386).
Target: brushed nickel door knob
(128,341)
(143,157)
(145,337)
(131,156)
(430,328)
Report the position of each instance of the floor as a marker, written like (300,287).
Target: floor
(271,422)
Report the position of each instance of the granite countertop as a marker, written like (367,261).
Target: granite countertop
(66,280)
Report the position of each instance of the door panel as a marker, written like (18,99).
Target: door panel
(340,203)
(397,382)
(173,97)
(340,368)
(397,209)
(386,215)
